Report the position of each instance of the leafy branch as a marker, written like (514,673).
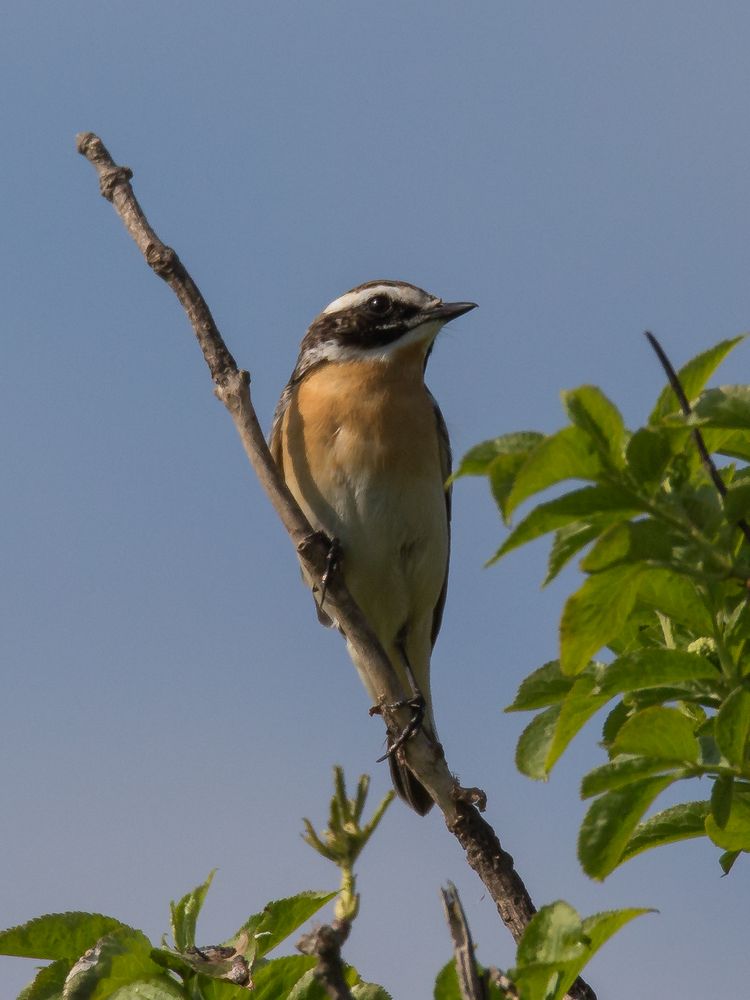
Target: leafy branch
(665,590)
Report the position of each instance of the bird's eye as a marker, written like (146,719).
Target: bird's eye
(379,305)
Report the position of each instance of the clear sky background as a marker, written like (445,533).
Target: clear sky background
(169,703)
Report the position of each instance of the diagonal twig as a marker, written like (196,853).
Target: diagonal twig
(708,462)
(483,850)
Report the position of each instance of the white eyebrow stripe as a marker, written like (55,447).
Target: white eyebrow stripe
(402,293)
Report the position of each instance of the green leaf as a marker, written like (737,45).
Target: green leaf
(545,686)
(619,772)
(48,982)
(502,476)
(650,668)
(570,540)
(557,945)
(591,411)
(581,703)
(279,919)
(534,743)
(675,596)
(661,733)
(370,991)
(610,822)
(733,726)
(728,407)
(549,733)
(737,503)
(727,860)
(693,376)
(735,444)
(568,454)
(58,935)
(277,978)
(629,542)
(446,983)
(477,461)
(151,989)
(734,835)
(578,505)
(680,822)
(185,914)
(721,799)
(648,455)
(119,959)
(219,989)
(595,613)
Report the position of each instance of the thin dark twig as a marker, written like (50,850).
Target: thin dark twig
(708,462)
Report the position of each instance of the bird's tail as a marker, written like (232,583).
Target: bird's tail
(408,787)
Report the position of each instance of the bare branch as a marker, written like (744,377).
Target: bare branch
(325,944)
(459,806)
(469,979)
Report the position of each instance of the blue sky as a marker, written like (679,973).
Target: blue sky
(170,703)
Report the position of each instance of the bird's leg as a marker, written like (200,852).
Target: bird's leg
(332,564)
(416,703)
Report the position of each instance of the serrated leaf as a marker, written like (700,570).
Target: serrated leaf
(734,444)
(552,936)
(578,707)
(727,860)
(591,411)
(58,935)
(650,668)
(48,982)
(370,991)
(661,733)
(446,983)
(279,976)
(545,686)
(629,542)
(549,733)
(568,454)
(680,822)
(610,822)
(728,406)
(534,743)
(721,799)
(675,596)
(648,454)
(734,835)
(280,918)
(579,505)
(595,613)
(621,772)
(151,989)
(502,476)
(557,945)
(185,914)
(219,989)
(693,376)
(568,541)
(477,461)
(119,959)
(732,726)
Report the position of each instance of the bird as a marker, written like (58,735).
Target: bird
(363,447)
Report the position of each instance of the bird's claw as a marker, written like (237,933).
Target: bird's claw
(332,563)
(417,705)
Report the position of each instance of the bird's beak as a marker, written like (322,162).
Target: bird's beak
(447,311)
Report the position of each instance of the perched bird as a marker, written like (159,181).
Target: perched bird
(364,450)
